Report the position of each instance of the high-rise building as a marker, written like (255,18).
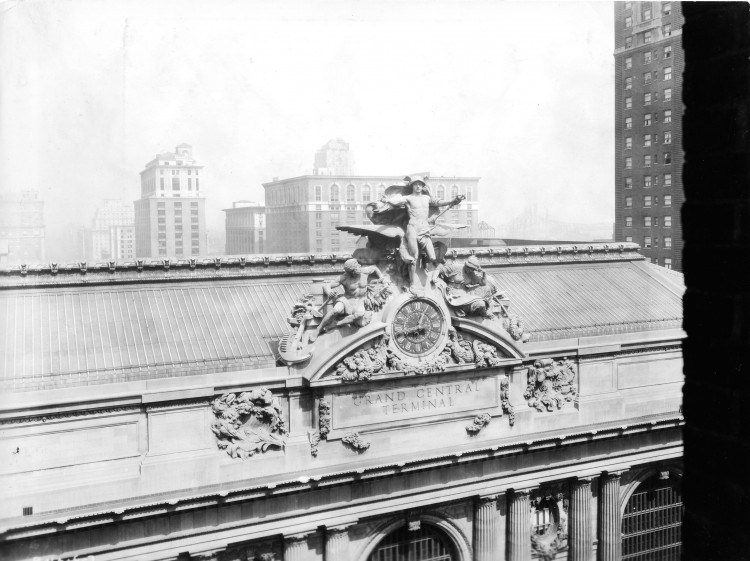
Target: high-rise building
(22,228)
(302,212)
(122,242)
(245,228)
(98,242)
(170,216)
(648,128)
(334,158)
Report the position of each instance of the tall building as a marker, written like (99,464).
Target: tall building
(122,242)
(170,216)
(649,63)
(334,158)
(245,228)
(98,242)
(302,212)
(22,228)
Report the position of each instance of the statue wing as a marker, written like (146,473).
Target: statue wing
(382,231)
(387,214)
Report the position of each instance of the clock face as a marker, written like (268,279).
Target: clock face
(418,326)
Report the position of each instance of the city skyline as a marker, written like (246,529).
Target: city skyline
(471,95)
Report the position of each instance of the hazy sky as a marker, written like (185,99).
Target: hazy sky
(518,93)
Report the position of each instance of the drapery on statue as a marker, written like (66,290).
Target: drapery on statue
(412,209)
(352,306)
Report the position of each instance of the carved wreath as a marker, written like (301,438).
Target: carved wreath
(550,384)
(248,423)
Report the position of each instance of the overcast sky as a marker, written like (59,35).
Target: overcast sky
(518,93)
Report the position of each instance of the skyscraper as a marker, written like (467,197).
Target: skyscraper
(114,218)
(334,158)
(170,216)
(245,228)
(22,228)
(648,128)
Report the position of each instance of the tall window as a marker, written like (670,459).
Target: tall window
(628,163)
(668,73)
(667,137)
(667,242)
(440,192)
(629,63)
(334,193)
(628,202)
(318,192)
(454,191)
(647,181)
(646,11)
(668,94)
(667,158)
(668,30)
(668,51)
(667,200)
(647,201)
(647,160)
(628,22)
(190,183)
(628,42)
(647,120)
(629,83)
(647,57)
(667,116)
(647,77)
(668,262)
(161,183)
(647,140)
(366,193)
(628,103)
(647,221)
(667,8)
(380,191)
(647,241)
(667,180)
(351,194)
(648,37)
(175,183)
(647,99)
(628,142)
(628,122)
(628,221)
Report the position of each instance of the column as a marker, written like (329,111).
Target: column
(581,536)
(486,529)
(295,547)
(610,520)
(519,526)
(337,543)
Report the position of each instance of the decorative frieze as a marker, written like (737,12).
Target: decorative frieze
(55,417)
(550,384)
(248,423)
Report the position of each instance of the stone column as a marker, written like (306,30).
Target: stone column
(519,526)
(581,537)
(610,519)
(295,547)
(486,529)
(337,543)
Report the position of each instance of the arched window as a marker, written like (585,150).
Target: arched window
(428,543)
(454,191)
(380,191)
(653,519)
(318,193)
(440,192)
(334,193)
(366,194)
(351,193)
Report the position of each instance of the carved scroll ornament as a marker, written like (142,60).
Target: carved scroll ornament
(248,423)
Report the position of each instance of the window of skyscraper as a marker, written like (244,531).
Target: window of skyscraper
(629,83)
(628,221)
(668,94)
(334,192)
(366,193)
(668,221)
(628,163)
(668,262)
(648,37)
(647,57)
(629,239)
(668,30)
(668,51)
(647,119)
(667,179)
(667,158)
(668,73)
(175,184)
(667,137)
(667,115)
(647,99)
(629,63)
(647,241)
(628,103)
(318,193)
(628,42)
(647,221)
(667,242)
(190,183)
(351,194)
(628,202)
(628,22)
(646,10)
(647,161)
(647,140)
(647,181)
(628,183)
(667,8)
(628,122)
(647,78)
(667,200)
(647,201)
(628,143)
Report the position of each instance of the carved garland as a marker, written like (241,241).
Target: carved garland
(505,400)
(550,384)
(479,422)
(248,423)
(324,426)
(354,440)
(380,359)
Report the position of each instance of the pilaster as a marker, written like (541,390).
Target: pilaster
(296,547)
(337,543)
(581,535)
(610,520)
(486,529)
(519,523)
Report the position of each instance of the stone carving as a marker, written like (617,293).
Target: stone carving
(362,364)
(324,427)
(549,521)
(248,423)
(505,400)
(472,291)
(354,440)
(479,422)
(359,299)
(264,551)
(551,384)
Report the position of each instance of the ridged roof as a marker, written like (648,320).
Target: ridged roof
(98,327)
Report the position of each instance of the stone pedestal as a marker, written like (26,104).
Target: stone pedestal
(581,535)
(610,521)
(519,526)
(296,548)
(486,529)
(337,543)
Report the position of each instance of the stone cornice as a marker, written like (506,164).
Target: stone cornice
(284,265)
(64,520)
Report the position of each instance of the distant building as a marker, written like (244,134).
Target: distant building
(532,224)
(22,228)
(245,228)
(302,212)
(334,158)
(122,243)
(170,216)
(649,63)
(485,230)
(98,243)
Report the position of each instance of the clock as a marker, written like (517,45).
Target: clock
(419,326)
